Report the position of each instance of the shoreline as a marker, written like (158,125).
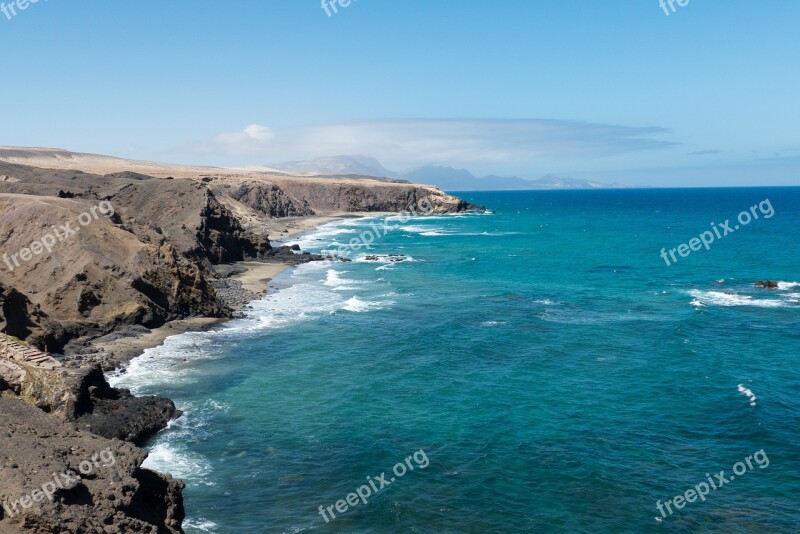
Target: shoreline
(123,345)
(255,276)
(118,348)
(158,262)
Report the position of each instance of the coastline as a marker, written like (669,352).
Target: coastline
(255,276)
(167,451)
(123,345)
(155,262)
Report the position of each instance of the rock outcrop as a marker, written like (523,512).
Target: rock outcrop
(151,260)
(103,275)
(55,422)
(20,318)
(81,396)
(59,479)
(268,200)
(92,245)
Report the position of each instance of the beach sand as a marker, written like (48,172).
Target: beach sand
(254,276)
(123,347)
(282,231)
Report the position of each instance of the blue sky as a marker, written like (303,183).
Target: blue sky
(610,90)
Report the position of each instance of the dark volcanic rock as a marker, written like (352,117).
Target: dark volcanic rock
(392,258)
(83,396)
(115,413)
(128,418)
(769,284)
(286,254)
(102,486)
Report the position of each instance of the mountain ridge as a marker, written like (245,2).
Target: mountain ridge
(444,177)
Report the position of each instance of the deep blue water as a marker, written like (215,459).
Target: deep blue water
(557,374)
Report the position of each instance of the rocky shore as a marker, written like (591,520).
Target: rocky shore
(55,417)
(50,482)
(101,260)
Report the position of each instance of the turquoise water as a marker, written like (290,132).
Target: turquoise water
(556,373)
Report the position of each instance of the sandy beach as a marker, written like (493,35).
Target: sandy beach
(253,275)
(282,231)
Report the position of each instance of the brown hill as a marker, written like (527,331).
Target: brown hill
(151,257)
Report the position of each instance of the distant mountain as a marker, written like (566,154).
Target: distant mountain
(446,178)
(451,179)
(552,181)
(337,166)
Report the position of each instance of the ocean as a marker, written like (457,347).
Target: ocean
(537,368)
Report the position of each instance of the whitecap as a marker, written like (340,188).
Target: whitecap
(356,305)
(335,280)
(178,462)
(784,286)
(719,298)
(426,231)
(200,524)
(167,362)
(175,361)
(748,393)
(320,238)
(489,234)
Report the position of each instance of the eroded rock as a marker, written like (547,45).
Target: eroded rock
(96,484)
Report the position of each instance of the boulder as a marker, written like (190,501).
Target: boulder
(102,486)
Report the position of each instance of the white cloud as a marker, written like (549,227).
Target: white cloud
(465,142)
(461,142)
(253,140)
(259,133)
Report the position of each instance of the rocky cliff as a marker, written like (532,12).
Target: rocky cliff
(92,245)
(54,419)
(150,259)
(56,478)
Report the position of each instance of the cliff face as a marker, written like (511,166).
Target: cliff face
(283,197)
(188,216)
(54,421)
(151,260)
(105,274)
(22,319)
(268,200)
(70,270)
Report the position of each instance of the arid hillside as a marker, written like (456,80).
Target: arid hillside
(89,243)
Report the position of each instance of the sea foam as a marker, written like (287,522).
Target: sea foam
(748,393)
(719,298)
(788,285)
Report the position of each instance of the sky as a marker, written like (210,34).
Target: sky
(620,91)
